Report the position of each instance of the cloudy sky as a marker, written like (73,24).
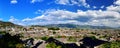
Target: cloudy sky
(42,12)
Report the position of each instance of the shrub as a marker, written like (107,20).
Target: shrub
(52,45)
(44,38)
(53,28)
(93,37)
(19,45)
(93,33)
(114,44)
(59,36)
(2,32)
(72,39)
(54,32)
(103,36)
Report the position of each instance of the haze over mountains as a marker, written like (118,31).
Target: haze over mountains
(79,26)
(9,24)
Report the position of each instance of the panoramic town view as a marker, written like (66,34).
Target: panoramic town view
(59,23)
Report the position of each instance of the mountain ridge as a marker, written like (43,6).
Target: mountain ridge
(8,24)
(78,26)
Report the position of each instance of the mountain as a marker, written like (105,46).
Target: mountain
(62,25)
(8,24)
(78,26)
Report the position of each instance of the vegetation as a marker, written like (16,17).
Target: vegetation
(52,45)
(2,32)
(93,33)
(114,44)
(53,28)
(8,41)
(72,39)
(93,37)
(44,38)
(104,36)
(77,31)
(59,36)
(54,32)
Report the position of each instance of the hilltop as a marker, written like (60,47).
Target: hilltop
(8,24)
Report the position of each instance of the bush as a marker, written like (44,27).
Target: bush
(59,36)
(103,36)
(114,44)
(54,32)
(44,38)
(72,39)
(19,45)
(53,28)
(2,32)
(93,33)
(93,37)
(52,45)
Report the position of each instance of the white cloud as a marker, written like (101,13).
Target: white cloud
(109,17)
(64,2)
(115,6)
(33,1)
(13,1)
(83,2)
(12,19)
(39,12)
(102,6)
(90,17)
(16,21)
(73,2)
(27,19)
(105,22)
(117,2)
(94,7)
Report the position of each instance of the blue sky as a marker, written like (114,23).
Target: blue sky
(42,12)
